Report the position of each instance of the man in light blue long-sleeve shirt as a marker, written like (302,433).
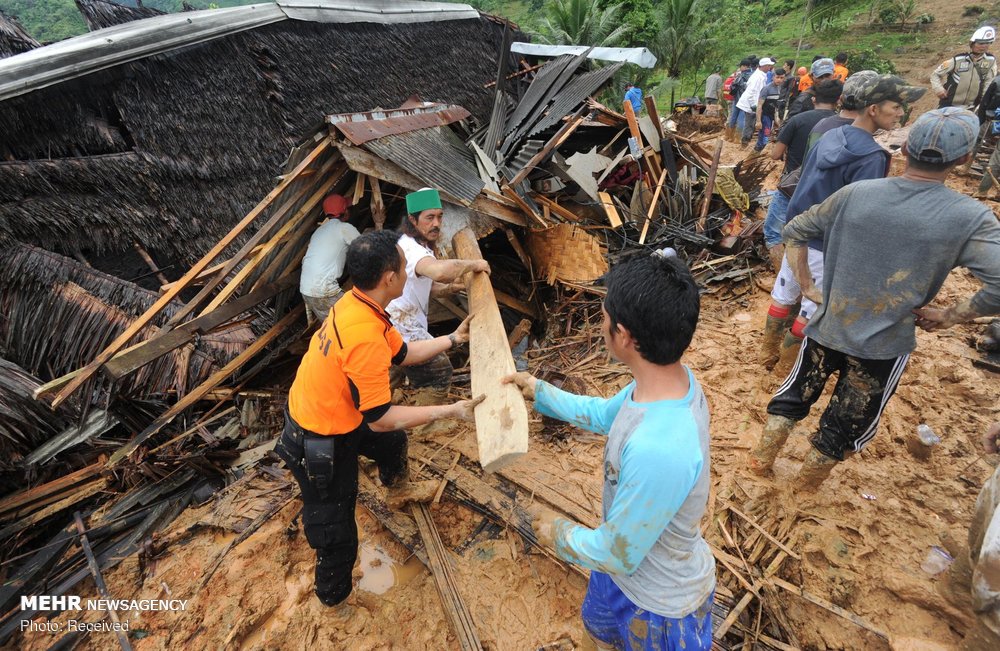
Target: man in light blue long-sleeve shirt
(653,575)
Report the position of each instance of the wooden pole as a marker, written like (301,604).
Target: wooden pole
(502,419)
(710,185)
(95,571)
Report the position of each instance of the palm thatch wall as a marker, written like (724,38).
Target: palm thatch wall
(58,314)
(171,150)
(13,38)
(104,13)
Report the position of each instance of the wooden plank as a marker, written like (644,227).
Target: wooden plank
(832,607)
(207,273)
(359,189)
(654,115)
(609,210)
(363,162)
(102,588)
(79,494)
(25,497)
(502,419)
(633,129)
(542,484)
(148,259)
(451,599)
(515,304)
(710,185)
(525,207)
(151,349)
(377,205)
(652,207)
(302,214)
(122,340)
(213,381)
(556,208)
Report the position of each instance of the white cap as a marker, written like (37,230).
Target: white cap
(765,62)
(985,34)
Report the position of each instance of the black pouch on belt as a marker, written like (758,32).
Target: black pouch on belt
(319,460)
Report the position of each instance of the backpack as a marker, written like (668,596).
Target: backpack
(727,86)
(739,84)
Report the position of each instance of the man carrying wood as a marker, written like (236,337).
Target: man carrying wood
(426,276)
(323,264)
(652,574)
(888,244)
(339,407)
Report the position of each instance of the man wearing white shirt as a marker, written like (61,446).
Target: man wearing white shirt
(323,264)
(748,100)
(426,276)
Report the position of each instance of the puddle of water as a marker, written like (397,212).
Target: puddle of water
(380,572)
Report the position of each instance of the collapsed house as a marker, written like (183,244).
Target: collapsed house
(151,148)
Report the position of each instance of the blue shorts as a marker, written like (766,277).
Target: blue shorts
(611,618)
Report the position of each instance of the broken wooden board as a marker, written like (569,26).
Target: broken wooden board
(451,599)
(609,209)
(400,525)
(502,419)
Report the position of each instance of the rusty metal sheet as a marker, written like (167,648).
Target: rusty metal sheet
(361,128)
(435,156)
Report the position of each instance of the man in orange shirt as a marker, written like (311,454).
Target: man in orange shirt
(840,70)
(340,407)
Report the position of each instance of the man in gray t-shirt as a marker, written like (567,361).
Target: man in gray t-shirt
(889,244)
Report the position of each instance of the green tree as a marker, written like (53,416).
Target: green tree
(640,16)
(684,38)
(583,22)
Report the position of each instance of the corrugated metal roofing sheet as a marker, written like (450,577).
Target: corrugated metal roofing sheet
(360,128)
(138,39)
(637,55)
(435,156)
(574,94)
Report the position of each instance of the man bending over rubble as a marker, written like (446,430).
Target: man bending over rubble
(888,244)
(652,574)
(426,276)
(339,407)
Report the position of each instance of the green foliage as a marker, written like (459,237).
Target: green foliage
(641,18)
(583,22)
(973,11)
(871,59)
(48,20)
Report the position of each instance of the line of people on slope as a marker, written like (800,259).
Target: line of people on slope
(860,258)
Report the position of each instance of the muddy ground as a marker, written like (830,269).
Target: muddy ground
(862,537)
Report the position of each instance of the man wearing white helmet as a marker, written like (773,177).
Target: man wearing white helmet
(962,79)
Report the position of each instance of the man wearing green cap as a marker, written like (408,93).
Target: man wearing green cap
(426,276)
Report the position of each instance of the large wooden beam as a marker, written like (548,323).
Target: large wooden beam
(502,419)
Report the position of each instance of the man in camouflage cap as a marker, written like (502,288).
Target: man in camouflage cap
(842,156)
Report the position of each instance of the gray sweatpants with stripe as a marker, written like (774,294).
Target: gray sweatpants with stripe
(864,387)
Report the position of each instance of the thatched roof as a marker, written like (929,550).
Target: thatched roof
(171,149)
(13,38)
(59,314)
(99,14)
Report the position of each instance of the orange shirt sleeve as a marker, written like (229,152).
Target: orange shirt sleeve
(367,366)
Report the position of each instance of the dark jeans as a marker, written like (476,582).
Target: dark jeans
(435,372)
(326,468)
(863,389)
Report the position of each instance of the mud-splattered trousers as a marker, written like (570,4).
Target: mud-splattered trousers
(326,468)
(863,389)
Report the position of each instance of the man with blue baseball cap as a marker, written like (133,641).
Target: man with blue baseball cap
(888,244)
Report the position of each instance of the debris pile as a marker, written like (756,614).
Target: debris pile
(186,398)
